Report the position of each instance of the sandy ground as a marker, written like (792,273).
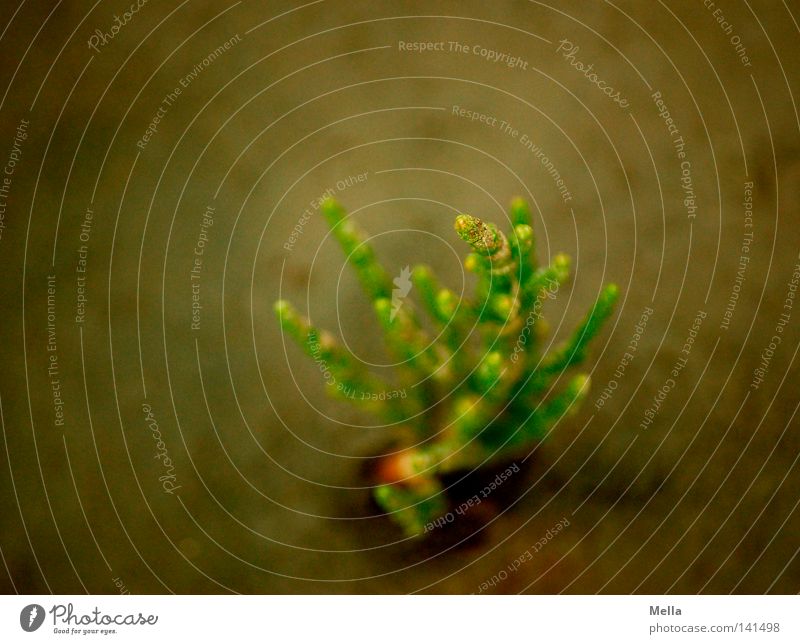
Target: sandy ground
(258,485)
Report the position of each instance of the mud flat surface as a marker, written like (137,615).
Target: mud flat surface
(160,190)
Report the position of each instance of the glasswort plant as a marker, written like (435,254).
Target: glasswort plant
(481,388)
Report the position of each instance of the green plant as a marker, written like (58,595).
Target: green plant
(481,388)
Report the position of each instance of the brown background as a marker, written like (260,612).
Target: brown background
(272,495)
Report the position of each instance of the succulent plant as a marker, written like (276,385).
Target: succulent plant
(481,388)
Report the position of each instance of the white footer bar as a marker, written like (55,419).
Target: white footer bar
(400,619)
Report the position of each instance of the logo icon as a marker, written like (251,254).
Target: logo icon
(31,617)
(403,284)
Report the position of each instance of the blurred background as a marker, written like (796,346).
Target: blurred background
(161,166)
